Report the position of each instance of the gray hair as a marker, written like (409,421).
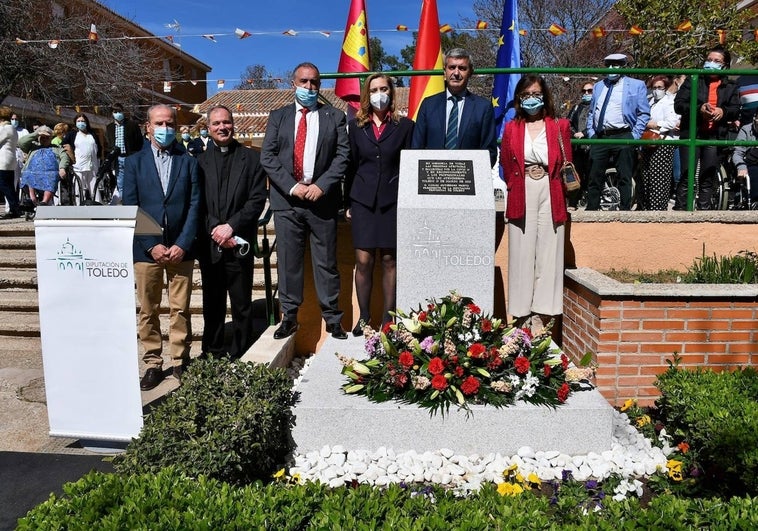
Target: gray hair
(161,105)
(305,64)
(459,53)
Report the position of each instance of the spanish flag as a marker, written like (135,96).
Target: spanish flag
(401,27)
(428,57)
(481,25)
(556,30)
(635,30)
(684,26)
(446,28)
(722,36)
(599,32)
(355,54)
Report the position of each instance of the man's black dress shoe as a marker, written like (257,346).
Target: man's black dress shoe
(358,330)
(151,379)
(286,329)
(13,214)
(336,331)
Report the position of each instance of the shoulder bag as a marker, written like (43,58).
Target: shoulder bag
(568,171)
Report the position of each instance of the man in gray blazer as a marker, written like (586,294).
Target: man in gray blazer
(305,153)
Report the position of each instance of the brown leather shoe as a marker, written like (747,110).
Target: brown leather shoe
(151,379)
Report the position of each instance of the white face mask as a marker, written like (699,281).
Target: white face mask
(379,100)
(658,94)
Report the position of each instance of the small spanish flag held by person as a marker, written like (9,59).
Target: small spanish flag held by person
(722,36)
(446,28)
(92,33)
(481,25)
(599,32)
(556,30)
(684,26)
(401,27)
(635,30)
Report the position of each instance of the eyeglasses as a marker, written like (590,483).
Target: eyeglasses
(586,91)
(660,87)
(530,95)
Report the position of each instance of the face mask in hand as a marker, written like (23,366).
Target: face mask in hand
(306,98)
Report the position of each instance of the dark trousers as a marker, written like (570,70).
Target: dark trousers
(601,155)
(292,228)
(8,188)
(710,160)
(235,276)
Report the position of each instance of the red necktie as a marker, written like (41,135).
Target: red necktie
(302,130)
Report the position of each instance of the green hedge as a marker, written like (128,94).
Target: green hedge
(168,500)
(229,420)
(717,414)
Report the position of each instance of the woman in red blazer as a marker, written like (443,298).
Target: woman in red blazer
(377,136)
(536,205)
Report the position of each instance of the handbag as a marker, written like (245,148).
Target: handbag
(568,171)
(651,134)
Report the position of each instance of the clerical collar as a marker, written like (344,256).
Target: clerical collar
(223,149)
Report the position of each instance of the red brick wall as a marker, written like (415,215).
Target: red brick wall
(632,338)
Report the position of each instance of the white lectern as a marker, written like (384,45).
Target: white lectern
(85,277)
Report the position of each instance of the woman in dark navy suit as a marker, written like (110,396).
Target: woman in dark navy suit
(377,135)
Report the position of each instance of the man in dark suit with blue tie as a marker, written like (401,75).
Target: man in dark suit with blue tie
(305,153)
(456,118)
(163,180)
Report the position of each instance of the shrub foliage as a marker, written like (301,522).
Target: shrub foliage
(229,420)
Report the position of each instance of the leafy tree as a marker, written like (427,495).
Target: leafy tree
(382,61)
(257,77)
(662,46)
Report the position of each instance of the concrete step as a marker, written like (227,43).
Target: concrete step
(18,258)
(16,242)
(26,277)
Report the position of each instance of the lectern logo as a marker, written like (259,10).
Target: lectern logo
(70,259)
(430,244)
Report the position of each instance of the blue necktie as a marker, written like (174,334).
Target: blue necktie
(451,138)
(601,118)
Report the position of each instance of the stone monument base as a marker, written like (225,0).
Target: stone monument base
(325,416)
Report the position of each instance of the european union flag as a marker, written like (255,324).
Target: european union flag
(508,56)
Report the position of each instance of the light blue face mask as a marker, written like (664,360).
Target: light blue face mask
(586,98)
(532,105)
(14,123)
(306,98)
(118,116)
(711,65)
(185,136)
(164,136)
(204,133)
(82,126)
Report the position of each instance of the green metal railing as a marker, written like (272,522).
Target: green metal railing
(692,141)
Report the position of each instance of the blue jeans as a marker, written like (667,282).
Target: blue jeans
(119,170)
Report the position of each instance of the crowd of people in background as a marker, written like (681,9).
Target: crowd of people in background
(208,191)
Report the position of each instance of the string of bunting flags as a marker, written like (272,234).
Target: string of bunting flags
(554,29)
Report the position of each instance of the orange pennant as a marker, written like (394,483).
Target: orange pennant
(685,25)
(635,30)
(599,32)
(480,25)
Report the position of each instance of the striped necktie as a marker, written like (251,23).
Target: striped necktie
(451,138)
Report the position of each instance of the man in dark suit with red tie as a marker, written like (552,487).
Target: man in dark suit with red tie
(234,186)
(305,153)
(456,118)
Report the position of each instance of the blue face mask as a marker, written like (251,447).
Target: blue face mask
(306,98)
(710,65)
(532,105)
(204,133)
(118,116)
(185,136)
(82,126)
(14,123)
(164,136)
(586,98)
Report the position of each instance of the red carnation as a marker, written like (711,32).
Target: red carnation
(476,351)
(564,361)
(474,308)
(528,332)
(470,386)
(436,366)
(422,316)
(495,363)
(486,325)
(458,371)
(522,364)
(453,359)
(386,328)
(563,392)
(546,369)
(406,359)
(430,307)
(439,382)
(400,380)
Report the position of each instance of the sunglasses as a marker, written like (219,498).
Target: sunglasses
(586,91)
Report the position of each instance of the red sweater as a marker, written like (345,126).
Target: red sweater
(512,160)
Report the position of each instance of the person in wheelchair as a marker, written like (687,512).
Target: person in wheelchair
(45,164)
(745,158)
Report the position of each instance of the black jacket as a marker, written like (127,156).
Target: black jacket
(133,139)
(727,98)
